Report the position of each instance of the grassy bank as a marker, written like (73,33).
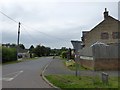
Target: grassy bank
(69,81)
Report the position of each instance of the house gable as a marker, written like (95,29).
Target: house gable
(108,25)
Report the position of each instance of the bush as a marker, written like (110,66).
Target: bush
(9,54)
(64,54)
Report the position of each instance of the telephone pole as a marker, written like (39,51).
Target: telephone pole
(18,39)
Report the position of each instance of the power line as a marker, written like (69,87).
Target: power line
(29,34)
(8,17)
(33,28)
(44,33)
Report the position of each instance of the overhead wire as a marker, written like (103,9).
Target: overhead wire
(43,33)
(8,17)
(53,37)
(57,41)
(33,38)
(31,27)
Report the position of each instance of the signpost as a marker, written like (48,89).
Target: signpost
(77,45)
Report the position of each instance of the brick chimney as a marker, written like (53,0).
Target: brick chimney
(106,14)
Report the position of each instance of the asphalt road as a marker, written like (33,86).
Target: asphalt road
(25,74)
(57,67)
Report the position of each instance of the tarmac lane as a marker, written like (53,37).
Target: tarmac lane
(25,74)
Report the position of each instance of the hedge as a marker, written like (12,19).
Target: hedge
(9,54)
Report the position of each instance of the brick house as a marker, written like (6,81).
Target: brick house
(102,57)
(106,32)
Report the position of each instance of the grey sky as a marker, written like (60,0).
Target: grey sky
(53,23)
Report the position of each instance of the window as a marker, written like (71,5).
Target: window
(116,35)
(104,35)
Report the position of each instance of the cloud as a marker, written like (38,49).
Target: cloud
(52,23)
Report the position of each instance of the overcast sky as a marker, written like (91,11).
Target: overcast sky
(53,23)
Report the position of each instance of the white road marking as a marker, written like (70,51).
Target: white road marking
(8,77)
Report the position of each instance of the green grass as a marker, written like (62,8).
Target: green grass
(79,67)
(73,66)
(70,81)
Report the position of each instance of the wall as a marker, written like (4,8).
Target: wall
(109,25)
(100,57)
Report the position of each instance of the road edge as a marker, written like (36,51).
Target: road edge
(45,79)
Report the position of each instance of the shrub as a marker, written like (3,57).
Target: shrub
(9,54)
(64,54)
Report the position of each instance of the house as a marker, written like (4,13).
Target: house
(101,44)
(23,53)
(106,32)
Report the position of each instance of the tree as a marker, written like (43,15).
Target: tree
(48,50)
(38,51)
(31,48)
(64,54)
(43,51)
(21,46)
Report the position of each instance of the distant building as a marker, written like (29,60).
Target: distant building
(23,53)
(106,32)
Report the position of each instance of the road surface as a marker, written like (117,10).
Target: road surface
(25,74)
(57,67)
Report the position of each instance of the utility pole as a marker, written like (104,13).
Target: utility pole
(18,39)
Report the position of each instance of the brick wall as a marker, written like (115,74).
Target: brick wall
(101,64)
(106,64)
(87,63)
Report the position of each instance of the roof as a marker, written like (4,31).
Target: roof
(109,18)
(22,50)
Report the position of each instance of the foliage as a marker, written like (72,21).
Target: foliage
(41,51)
(8,54)
(21,46)
(64,54)
(70,81)
(31,48)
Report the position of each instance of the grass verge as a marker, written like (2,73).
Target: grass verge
(79,67)
(72,66)
(69,81)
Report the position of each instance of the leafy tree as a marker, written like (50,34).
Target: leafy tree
(48,50)
(64,54)
(41,50)
(31,48)
(38,51)
(21,46)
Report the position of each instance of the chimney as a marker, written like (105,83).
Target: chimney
(106,14)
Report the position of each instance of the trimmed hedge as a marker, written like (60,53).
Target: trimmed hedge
(9,54)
